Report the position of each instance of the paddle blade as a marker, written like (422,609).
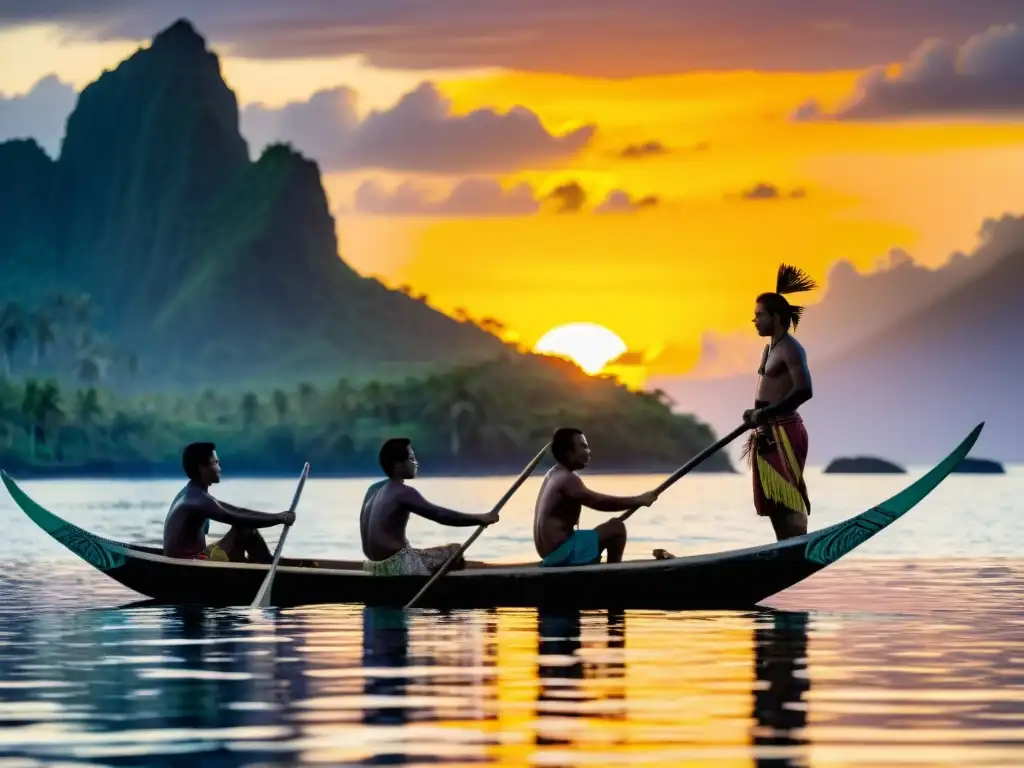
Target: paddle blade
(262,599)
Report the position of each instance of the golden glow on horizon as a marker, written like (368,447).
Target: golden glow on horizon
(659,283)
(663,276)
(589,345)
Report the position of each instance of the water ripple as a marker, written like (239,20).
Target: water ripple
(874,661)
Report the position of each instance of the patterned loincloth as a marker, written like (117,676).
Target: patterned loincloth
(412,562)
(777,453)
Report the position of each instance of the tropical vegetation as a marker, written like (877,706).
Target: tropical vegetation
(162,287)
(492,415)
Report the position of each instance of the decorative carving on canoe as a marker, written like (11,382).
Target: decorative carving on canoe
(835,542)
(88,547)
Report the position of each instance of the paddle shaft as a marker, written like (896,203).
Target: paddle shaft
(262,599)
(504,499)
(692,463)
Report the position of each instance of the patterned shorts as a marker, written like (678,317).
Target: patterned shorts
(412,562)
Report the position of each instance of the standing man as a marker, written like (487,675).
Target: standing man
(560,499)
(777,447)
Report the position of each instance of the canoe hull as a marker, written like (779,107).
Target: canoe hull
(739,581)
(725,580)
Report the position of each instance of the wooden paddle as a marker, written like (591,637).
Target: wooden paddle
(695,461)
(262,599)
(508,495)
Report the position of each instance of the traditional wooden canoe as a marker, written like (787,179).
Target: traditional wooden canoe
(735,579)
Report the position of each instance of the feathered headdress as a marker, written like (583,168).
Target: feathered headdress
(793,280)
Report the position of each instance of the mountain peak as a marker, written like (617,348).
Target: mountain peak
(180,35)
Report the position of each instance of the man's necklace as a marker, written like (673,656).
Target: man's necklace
(768,349)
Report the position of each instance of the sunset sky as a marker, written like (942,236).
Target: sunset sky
(659,159)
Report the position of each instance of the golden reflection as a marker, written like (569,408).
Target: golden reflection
(573,687)
(514,687)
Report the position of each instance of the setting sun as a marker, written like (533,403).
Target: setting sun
(589,345)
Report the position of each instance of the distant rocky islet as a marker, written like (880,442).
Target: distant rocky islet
(874,465)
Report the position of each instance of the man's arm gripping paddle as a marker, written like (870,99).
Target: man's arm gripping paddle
(692,463)
(504,499)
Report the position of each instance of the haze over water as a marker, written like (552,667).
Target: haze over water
(907,652)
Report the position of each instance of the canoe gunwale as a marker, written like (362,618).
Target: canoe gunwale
(729,578)
(128,550)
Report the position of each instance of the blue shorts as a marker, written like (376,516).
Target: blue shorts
(579,549)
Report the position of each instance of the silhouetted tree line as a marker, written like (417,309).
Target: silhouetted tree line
(489,416)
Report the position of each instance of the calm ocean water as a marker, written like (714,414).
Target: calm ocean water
(908,652)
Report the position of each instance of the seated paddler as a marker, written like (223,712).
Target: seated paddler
(385,515)
(188,520)
(556,533)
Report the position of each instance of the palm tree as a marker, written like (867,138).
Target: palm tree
(28,411)
(250,410)
(87,407)
(307,395)
(49,414)
(13,330)
(280,405)
(41,408)
(43,329)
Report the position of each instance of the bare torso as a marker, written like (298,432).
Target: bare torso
(187,523)
(555,516)
(777,382)
(382,521)
(384,517)
(188,520)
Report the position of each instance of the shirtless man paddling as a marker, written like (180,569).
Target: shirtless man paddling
(777,447)
(188,520)
(560,500)
(385,515)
